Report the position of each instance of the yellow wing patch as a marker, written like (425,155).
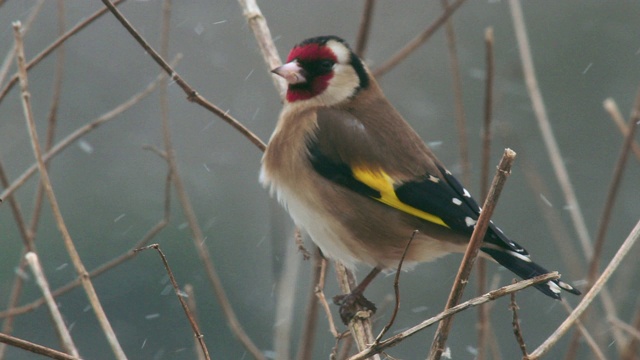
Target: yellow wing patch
(383,183)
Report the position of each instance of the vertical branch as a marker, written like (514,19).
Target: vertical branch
(56,316)
(73,253)
(458,98)
(483,310)
(305,349)
(504,169)
(365,28)
(551,145)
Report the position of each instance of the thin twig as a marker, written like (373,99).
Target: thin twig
(44,176)
(54,311)
(59,41)
(456,78)
(483,310)
(612,108)
(396,289)
(365,28)
(191,303)
(415,43)
(515,322)
(192,94)
(180,296)
(504,169)
(490,296)
(319,291)
(588,298)
(35,348)
(305,348)
(629,351)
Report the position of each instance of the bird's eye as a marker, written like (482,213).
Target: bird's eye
(326,65)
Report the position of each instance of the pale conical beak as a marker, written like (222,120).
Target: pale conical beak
(292,72)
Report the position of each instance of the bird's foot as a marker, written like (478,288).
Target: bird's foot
(351,304)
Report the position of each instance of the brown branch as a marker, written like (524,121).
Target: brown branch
(365,28)
(179,295)
(319,291)
(59,41)
(612,108)
(458,99)
(483,310)
(35,348)
(582,330)
(192,94)
(44,176)
(588,298)
(504,169)
(515,323)
(191,303)
(415,43)
(490,296)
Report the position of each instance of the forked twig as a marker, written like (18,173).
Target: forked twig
(504,169)
(180,295)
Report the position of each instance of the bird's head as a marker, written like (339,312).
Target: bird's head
(323,71)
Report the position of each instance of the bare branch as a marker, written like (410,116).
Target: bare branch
(490,296)
(35,348)
(365,28)
(504,169)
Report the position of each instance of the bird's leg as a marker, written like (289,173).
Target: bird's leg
(350,302)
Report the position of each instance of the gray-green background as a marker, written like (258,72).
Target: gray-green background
(584,52)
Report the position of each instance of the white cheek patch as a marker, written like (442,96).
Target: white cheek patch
(341,52)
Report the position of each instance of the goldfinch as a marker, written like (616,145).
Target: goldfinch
(357,178)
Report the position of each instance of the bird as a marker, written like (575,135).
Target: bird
(356,177)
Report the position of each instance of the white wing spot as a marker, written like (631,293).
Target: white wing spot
(456,201)
(469,221)
(433,179)
(554,287)
(466,193)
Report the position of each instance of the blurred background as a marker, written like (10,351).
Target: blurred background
(111,190)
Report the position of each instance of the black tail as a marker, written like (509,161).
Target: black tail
(515,258)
